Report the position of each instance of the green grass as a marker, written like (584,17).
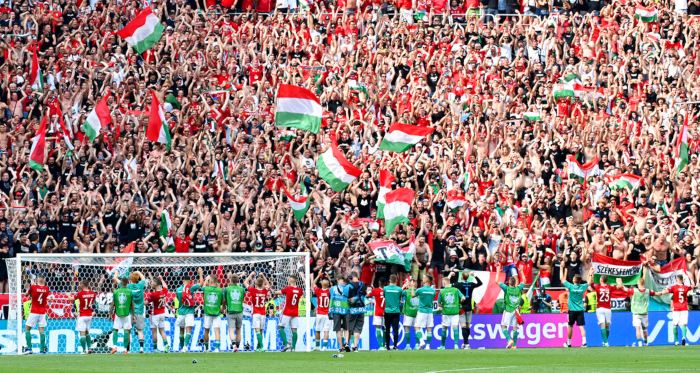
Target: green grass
(636,360)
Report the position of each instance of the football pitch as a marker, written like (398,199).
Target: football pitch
(620,359)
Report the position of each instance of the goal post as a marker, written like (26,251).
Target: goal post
(64,272)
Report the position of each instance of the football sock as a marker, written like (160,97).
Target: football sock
(182,341)
(419,336)
(283,335)
(604,334)
(28,339)
(258,335)
(684,330)
(465,335)
(318,343)
(206,346)
(429,337)
(215,345)
(380,337)
(294,338)
(188,338)
(82,343)
(515,336)
(506,334)
(141,343)
(42,339)
(115,338)
(455,336)
(675,334)
(583,340)
(568,341)
(443,334)
(127,341)
(88,341)
(324,344)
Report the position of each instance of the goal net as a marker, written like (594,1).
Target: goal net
(64,273)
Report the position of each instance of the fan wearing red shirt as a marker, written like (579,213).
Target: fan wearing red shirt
(259,294)
(679,316)
(603,309)
(39,293)
(159,299)
(322,323)
(85,298)
(290,316)
(378,320)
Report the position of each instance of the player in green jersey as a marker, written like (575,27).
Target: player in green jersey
(234,294)
(576,290)
(213,303)
(511,300)
(185,311)
(450,300)
(639,305)
(137,285)
(410,311)
(122,308)
(392,311)
(424,319)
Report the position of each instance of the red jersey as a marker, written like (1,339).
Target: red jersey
(259,298)
(39,295)
(159,300)
(292,295)
(323,300)
(603,292)
(378,295)
(85,300)
(680,296)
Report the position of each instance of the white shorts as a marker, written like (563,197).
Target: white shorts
(183,321)
(211,321)
(158,321)
(679,317)
(508,319)
(409,321)
(640,320)
(83,323)
(322,323)
(36,319)
(378,321)
(424,320)
(289,321)
(139,322)
(450,321)
(465,318)
(604,315)
(259,321)
(122,323)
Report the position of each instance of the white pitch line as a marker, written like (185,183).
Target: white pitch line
(472,369)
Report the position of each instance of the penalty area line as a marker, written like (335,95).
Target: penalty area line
(472,369)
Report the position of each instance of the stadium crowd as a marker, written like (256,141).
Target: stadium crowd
(470,69)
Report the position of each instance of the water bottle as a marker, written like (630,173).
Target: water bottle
(338,356)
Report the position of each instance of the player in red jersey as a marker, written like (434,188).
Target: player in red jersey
(39,294)
(603,309)
(85,298)
(290,316)
(378,320)
(259,294)
(679,315)
(159,299)
(322,323)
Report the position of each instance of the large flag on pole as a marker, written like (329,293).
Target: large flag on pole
(335,169)
(397,207)
(143,32)
(36,78)
(157,130)
(298,107)
(98,118)
(164,231)
(385,180)
(38,149)
(402,137)
(682,149)
(299,204)
(628,271)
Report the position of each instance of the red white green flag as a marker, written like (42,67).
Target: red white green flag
(143,32)
(583,171)
(646,14)
(402,137)
(37,152)
(682,149)
(335,169)
(455,199)
(157,130)
(397,207)
(36,78)
(300,203)
(98,118)
(298,107)
(385,180)
(625,181)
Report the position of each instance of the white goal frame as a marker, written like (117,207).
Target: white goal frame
(46,258)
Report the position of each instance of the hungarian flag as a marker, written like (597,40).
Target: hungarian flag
(298,107)
(625,181)
(36,78)
(55,109)
(143,32)
(485,296)
(682,149)
(570,78)
(455,199)
(158,130)
(37,152)
(122,266)
(387,251)
(164,231)
(532,116)
(98,118)
(402,137)
(646,14)
(563,90)
(628,271)
(397,207)
(590,93)
(299,204)
(583,171)
(385,180)
(171,103)
(666,277)
(335,169)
